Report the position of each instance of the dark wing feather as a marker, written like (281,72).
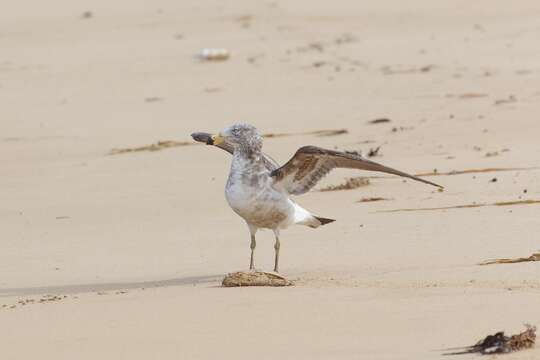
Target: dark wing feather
(310,164)
(203,137)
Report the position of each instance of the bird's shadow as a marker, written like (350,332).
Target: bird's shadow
(102,287)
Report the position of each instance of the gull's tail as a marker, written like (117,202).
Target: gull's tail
(304,217)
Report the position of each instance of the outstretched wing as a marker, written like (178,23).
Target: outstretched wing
(311,163)
(206,138)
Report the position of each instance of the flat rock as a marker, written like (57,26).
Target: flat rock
(255,278)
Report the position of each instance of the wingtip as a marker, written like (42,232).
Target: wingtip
(440,187)
(324,221)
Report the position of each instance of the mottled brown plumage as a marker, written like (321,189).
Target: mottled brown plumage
(310,164)
(259,190)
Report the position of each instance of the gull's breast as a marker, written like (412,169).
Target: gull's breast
(259,203)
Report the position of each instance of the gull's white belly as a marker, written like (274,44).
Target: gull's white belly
(262,207)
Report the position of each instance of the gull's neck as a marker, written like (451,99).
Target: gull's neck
(248,152)
(247,167)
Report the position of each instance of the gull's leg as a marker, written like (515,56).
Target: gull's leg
(277,245)
(252,245)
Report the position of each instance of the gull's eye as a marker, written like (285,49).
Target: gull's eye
(235,132)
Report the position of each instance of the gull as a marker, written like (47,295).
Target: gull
(259,190)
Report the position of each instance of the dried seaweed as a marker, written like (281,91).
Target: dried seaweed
(467,95)
(387,70)
(501,203)
(254,278)
(473,171)
(533,257)
(374,151)
(402,128)
(379,121)
(329,132)
(350,183)
(499,343)
(509,100)
(160,145)
(372,199)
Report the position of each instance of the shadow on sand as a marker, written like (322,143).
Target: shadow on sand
(82,288)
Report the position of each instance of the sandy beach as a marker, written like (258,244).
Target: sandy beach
(116,254)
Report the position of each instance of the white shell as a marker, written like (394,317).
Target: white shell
(214,54)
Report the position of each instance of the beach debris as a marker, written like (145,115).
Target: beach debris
(474,171)
(314,46)
(214,54)
(499,343)
(472,96)
(533,257)
(509,100)
(255,58)
(87,15)
(244,20)
(379,121)
(350,183)
(165,144)
(467,95)
(402,128)
(254,278)
(212,89)
(160,145)
(373,152)
(332,132)
(387,70)
(152,99)
(493,180)
(345,39)
(426,68)
(492,153)
(372,199)
(321,46)
(467,206)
